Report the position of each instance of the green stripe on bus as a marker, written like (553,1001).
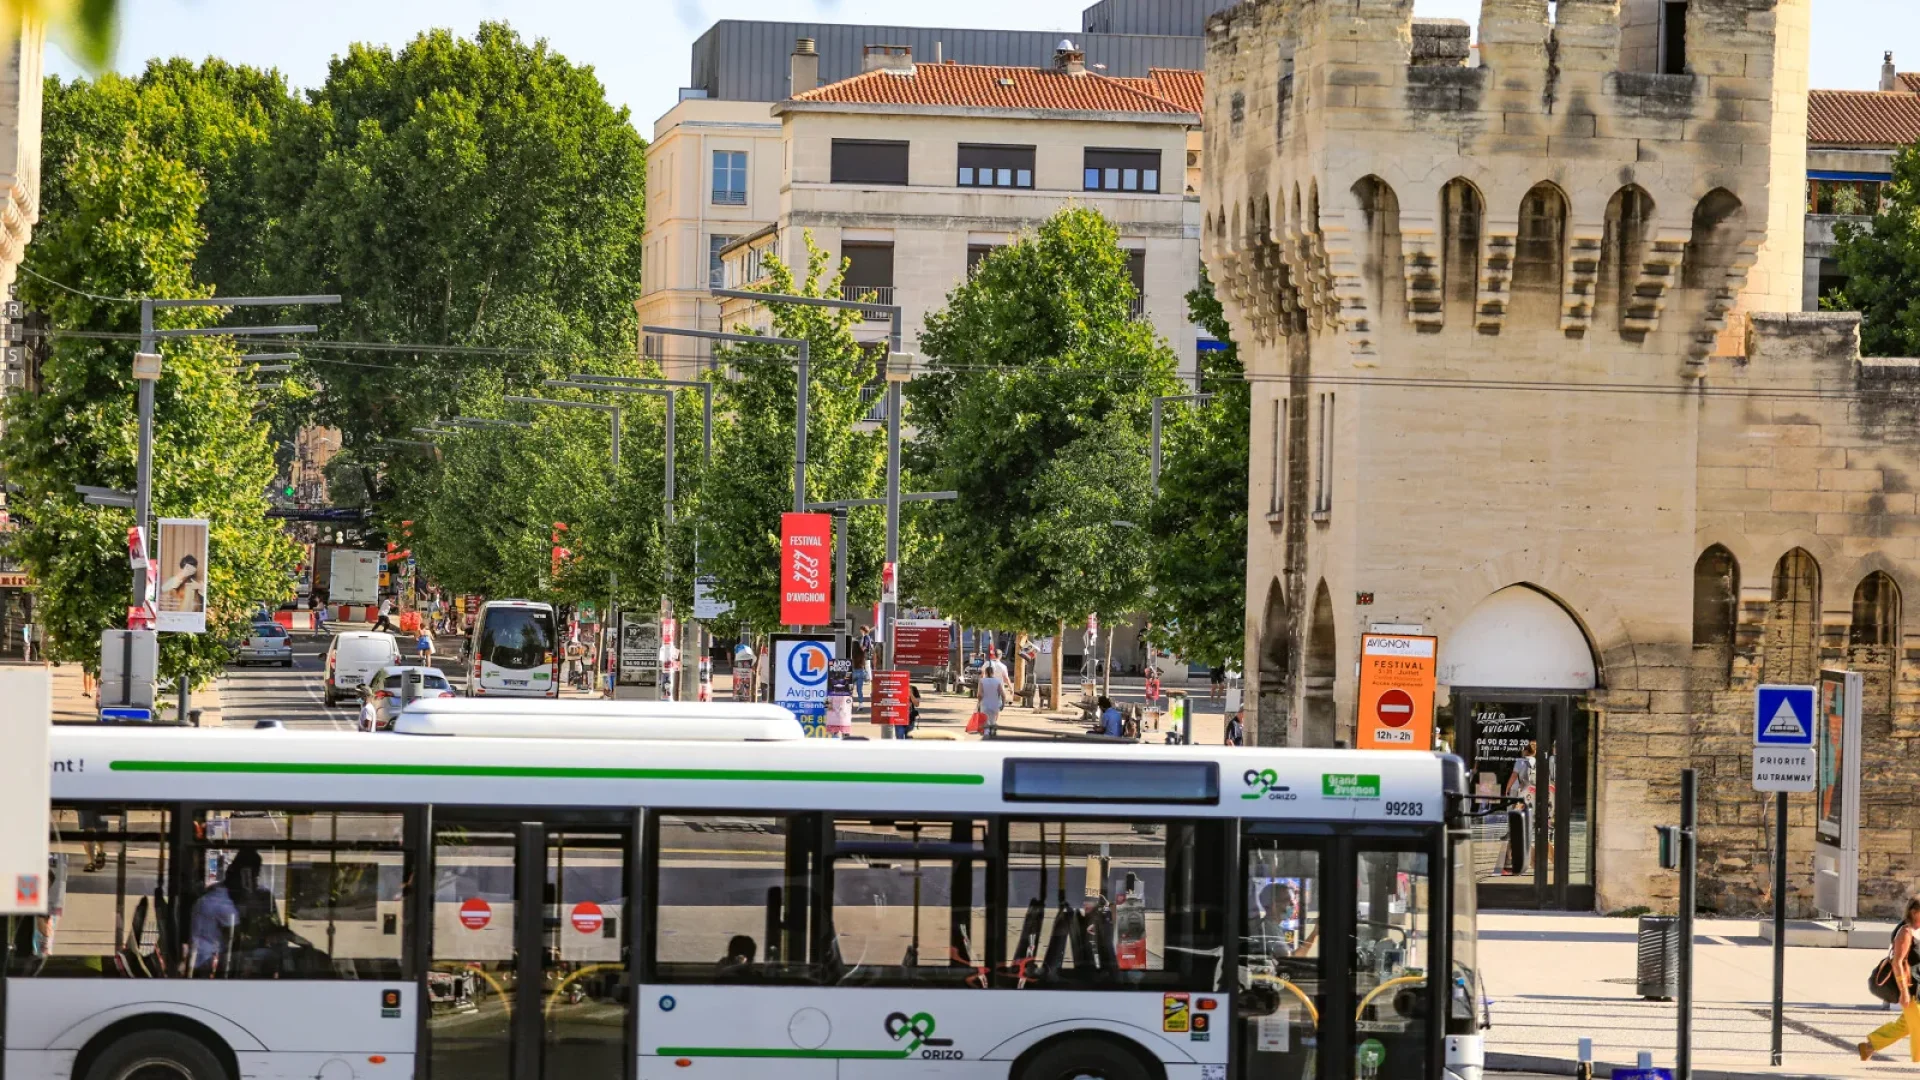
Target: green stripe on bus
(755,1052)
(306,768)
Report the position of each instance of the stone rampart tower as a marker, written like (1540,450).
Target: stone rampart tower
(1481,286)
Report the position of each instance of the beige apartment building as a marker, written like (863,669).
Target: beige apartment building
(1852,136)
(913,171)
(1531,375)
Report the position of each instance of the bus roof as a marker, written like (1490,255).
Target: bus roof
(660,721)
(516,603)
(330,767)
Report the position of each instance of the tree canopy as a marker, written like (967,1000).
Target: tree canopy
(1199,520)
(1882,262)
(128,226)
(1035,408)
(751,482)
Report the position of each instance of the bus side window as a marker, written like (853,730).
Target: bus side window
(1133,905)
(106,897)
(909,903)
(731,896)
(296,894)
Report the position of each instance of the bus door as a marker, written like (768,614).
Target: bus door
(1338,954)
(530,948)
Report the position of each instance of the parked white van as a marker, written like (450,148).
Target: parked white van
(354,658)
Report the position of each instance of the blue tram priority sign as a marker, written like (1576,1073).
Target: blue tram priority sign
(1783,716)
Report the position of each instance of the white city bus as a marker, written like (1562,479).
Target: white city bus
(515,650)
(490,903)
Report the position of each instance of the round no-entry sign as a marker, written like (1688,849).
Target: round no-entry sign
(587,917)
(475,914)
(1395,708)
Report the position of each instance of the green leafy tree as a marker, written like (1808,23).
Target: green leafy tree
(1036,409)
(128,227)
(1882,262)
(751,482)
(459,192)
(1199,521)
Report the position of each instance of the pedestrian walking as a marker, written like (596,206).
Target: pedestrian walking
(424,646)
(1902,960)
(1218,678)
(991,697)
(863,666)
(1237,728)
(369,713)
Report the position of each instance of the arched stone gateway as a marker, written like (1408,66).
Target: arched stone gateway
(1519,667)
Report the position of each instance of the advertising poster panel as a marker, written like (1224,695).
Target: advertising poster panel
(182,574)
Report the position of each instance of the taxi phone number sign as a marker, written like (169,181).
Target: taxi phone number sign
(1397,678)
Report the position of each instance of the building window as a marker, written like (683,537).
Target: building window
(729,178)
(716,266)
(869,274)
(1277,502)
(1673,37)
(1123,170)
(865,161)
(976,254)
(1846,198)
(996,166)
(1137,273)
(107,896)
(1792,636)
(1323,459)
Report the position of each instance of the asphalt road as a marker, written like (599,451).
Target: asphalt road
(290,695)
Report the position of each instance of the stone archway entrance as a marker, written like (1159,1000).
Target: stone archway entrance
(1272,717)
(1520,668)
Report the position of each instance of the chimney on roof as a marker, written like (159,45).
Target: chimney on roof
(1068,58)
(804,69)
(887,58)
(1889,78)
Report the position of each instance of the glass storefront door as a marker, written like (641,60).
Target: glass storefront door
(1534,750)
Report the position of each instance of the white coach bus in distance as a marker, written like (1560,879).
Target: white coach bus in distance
(626,894)
(515,650)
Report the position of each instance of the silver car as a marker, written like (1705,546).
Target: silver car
(267,643)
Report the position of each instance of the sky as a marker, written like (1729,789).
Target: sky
(640,48)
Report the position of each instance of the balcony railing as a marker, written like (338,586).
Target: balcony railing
(868,294)
(1137,309)
(723,197)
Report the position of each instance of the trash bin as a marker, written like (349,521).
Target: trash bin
(1659,955)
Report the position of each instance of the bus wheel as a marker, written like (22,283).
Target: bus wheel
(157,1055)
(1085,1059)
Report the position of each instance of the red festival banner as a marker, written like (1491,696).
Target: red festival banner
(806,569)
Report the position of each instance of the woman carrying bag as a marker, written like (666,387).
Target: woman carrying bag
(1892,980)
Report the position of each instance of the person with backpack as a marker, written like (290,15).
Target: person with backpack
(1893,981)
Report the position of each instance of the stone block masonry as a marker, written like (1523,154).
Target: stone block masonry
(1510,327)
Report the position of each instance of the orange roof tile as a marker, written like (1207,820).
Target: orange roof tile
(1187,89)
(991,87)
(1863,117)
(1910,81)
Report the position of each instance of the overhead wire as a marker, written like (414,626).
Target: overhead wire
(1779,391)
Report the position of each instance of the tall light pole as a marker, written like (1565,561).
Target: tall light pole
(895,376)
(146,371)
(803,349)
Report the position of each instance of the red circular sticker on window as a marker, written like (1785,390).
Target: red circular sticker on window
(587,917)
(475,914)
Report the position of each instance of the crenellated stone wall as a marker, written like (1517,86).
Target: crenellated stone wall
(1508,323)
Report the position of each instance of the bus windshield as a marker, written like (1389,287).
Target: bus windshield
(517,638)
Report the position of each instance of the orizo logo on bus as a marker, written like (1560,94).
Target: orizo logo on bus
(919,1029)
(1265,784)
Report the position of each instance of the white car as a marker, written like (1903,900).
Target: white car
(353,659)
(265,643)
(390,690)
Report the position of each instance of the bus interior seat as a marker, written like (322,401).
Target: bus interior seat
(131,958)
(1029,944)
(1097,943)
(1065,927)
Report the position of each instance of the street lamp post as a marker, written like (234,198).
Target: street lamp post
(613,421)
(895,320)
(146,371)
(803,348)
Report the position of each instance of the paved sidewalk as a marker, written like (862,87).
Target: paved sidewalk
(72,706)
(1557,978)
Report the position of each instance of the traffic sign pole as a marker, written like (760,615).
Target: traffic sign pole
(1783,762)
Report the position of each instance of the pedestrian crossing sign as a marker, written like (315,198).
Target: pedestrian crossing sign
(1783,716)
